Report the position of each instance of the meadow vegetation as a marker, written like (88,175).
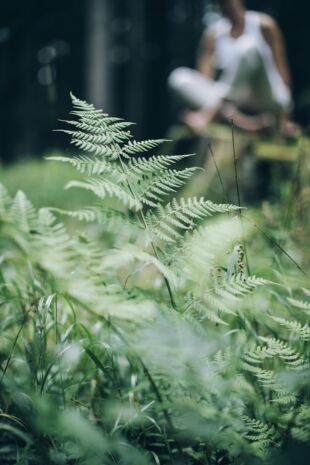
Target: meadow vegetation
(153,329)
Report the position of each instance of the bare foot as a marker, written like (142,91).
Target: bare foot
(289,129)
(199,120)
(196,120)
(255,123)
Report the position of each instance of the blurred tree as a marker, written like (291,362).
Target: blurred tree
(41,51)
(116,54)
(97,65)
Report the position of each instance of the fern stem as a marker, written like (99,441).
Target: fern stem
(154,388)
(139,358)
(145,370)
(218,174)
(235,163)
(145,225)
(13,347)
(57,336)
(238,195)
(274,242)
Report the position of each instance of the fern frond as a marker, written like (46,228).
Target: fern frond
(257,356)
(53,248)
(95,131)
(103,188)
(278,348)
(100,120)
(284,398)
(45,220)
(306,291)
(228,293)
(152,190)
(301,332)
(238,287)
(203,248)
(203,313)
(5,200)
(92,128)
(87,214)
(208,306)
(299,303)
(113,220)
(122,257)
(273,348)
(219,304)
(261,435)
(90,165)
(301,429)
(23,213)
(101,143)
(269,380)
(240,284)
(140,146)
(78,103)
(266,378)
(106,148)
(85,137)
(183,214)
(141,166)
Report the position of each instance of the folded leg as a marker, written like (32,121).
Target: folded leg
(195,89)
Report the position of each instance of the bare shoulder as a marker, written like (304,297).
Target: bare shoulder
(268,23)
(270,29)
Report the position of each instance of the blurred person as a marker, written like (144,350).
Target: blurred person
(246,50)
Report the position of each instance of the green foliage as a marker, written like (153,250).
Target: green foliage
(143,339)
(43,181)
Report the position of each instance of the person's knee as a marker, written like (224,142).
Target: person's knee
(179,78)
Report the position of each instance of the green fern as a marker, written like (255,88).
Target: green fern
(301,429)
(262,436)
(114,170)
(299,303)
(103,188)
(296,329)
(183,214)
(90,165)
(142,338)
(23,213)
(5,200)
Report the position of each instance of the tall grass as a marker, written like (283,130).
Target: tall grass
(102,362)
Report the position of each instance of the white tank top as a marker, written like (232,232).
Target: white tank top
(226,45)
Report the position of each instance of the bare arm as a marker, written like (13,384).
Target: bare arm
(205,62)
(274,38)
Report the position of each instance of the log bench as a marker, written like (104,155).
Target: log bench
(262,162)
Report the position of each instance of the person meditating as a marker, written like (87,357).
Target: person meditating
(246,50)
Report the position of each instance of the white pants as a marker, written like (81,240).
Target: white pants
(245,82)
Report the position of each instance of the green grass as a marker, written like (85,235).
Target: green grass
(158,337)
(44,182)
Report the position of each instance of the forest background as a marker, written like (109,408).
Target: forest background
(116,54)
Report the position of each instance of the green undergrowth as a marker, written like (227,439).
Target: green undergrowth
(44,183)
(169,331)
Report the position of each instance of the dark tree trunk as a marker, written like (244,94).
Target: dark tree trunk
(98,69)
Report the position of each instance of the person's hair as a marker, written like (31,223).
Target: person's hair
(225,1)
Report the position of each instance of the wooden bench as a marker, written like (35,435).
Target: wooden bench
(262,162)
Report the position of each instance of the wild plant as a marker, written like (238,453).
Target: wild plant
(143,338)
